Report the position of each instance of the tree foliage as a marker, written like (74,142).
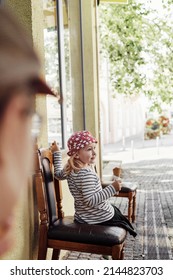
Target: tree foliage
(138,41)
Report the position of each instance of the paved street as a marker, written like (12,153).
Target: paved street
(150,164)
(154,216)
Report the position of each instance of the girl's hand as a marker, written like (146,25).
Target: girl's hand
(54,147)
(116,185)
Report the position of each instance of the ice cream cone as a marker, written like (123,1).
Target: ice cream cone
(117,171)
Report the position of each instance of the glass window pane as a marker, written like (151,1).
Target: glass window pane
(59,115)
(52,70)
(69,124)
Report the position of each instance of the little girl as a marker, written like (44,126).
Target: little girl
(90,199)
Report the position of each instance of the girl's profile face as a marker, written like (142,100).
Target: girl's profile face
(87,155)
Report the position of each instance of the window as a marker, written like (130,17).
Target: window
(57,70)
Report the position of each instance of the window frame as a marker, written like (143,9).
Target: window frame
(60,35)
(63,90)
(2,2)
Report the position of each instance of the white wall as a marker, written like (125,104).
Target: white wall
(120,116)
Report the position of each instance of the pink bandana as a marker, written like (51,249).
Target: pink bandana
(79,140)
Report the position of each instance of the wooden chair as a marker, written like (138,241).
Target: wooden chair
(128,191)
(59,232)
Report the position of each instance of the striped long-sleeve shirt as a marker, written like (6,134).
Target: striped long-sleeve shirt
(90,200)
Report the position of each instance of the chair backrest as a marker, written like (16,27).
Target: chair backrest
(41,196)
(45,189)
(50,190)
(52,186)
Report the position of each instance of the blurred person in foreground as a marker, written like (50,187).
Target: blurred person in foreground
(19,82)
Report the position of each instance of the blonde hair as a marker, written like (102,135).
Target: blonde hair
(73,164)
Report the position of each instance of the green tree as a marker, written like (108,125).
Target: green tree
(138,42)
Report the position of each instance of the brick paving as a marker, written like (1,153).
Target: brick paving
(154,213)
(154,221)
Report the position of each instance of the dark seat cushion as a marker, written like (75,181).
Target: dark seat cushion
(128,187)
(67,229)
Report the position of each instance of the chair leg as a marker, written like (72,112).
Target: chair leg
(134,208)
(122,252)
(42,246)
(130,206)
(55,254)
(116,252)
(42,251)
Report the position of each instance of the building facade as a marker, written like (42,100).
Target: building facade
(65,36)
